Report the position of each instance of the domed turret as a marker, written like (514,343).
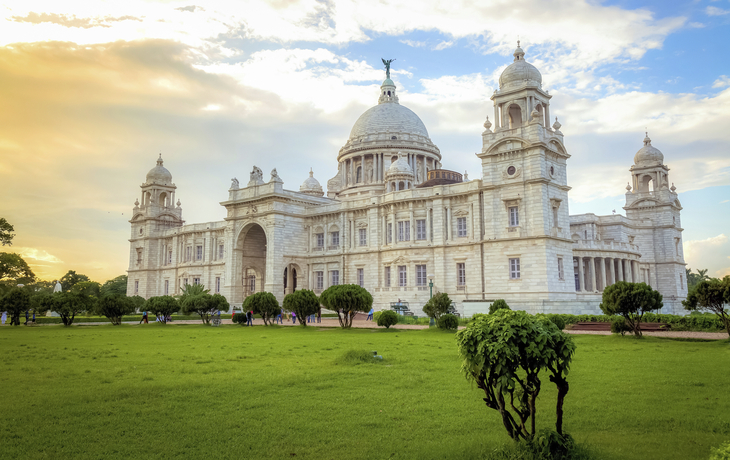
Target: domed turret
(159,174)
(520,72)
(400,166)
(648,155)
(311,186)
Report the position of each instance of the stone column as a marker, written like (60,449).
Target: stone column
(429,217)
(629,271)
(448,223)
(581,278)
(352,172)
(394,229)
(592,262)
(547,116)
(603,274)
(412,235)
(620,269)
(496,117)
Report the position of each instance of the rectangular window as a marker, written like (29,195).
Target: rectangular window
(461,226)
(421,229)
(555,217)
(361,277)
(199,253)
(185,281)
(320,280)
(363,233)
(188,253)
(335,277)
(514,269)
(560,268)
(136,287)
(514,216)
(404,230)
(320,240)
(421,275)
(196,281)
(217,284)
(461,274)
(139,256)
(402,276)
(220,251)
(387,276)
(335,238)
(169,257)
(681,282)
(389,236)
(167,287)
(252,283)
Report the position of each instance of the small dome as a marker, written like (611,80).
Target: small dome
(387,82)
(159,174)
(400,167)
(648,155)
(311,186)
(519,72)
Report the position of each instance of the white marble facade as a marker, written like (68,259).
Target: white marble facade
(384,226)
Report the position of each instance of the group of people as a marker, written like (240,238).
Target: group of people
(28,318)
(310,319)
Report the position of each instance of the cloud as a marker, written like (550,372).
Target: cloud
(72,20)
(413,43)
(190,8)
(715,11)
(721,82)
(443,45)
(707,253)
(37,255)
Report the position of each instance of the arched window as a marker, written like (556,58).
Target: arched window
(515,116)
(359,175)
(163,199)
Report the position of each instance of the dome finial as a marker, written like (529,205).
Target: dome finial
(159,160)
(647,141)
(519,54)
(311,172)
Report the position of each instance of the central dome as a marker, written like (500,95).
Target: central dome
(391,117)
(159,174)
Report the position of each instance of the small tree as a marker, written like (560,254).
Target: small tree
(504,353)
(203,305)
(304,303)
(387,318)
(164,305)
(68,305)
(264,304)
(437,305)
(498,304)
(15,302)
(346,300)
(114,307)
(711,295)
(630,300)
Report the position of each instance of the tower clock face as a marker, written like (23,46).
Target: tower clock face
(511,170)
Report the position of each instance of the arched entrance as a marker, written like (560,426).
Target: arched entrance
(292,275)
(251,254)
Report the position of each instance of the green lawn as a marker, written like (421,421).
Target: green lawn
(193,391)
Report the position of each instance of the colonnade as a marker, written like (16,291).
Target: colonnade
(350,165)
(594,274)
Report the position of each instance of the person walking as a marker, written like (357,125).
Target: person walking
(319,315)
(293,318)
(4,317)
(278,318)
(144,318)
(370,315)
(249,318)
(26,318)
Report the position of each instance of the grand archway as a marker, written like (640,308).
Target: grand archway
(251,261)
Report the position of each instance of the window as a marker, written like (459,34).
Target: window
(420,275)
(188,253)
(199,253)
(335,238)
(461,226)
(514,269)
(136,287)
(169,257)
(335,277)
(167,287)
(681,282)
(220,251)
(363,232)
(387,276)
(555,217)
(560,268)
(421,229)
(461,274)
(320,280)
(361,277)
(252,283)
(402,276)
(514,217)
(196,281)
(185,281)
(217,284)
(139,256)
(320,240)
(389,236)
(404,230)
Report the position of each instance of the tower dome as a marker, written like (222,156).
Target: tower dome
(311,186)
(400,167)
(520,72)
(648,155)
(159,174)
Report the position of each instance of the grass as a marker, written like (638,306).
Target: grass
(191,391)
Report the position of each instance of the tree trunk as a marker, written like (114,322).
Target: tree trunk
(563,388)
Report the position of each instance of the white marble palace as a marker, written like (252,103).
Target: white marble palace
(393,219)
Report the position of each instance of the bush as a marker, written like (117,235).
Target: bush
(498,304)
(437,305)
(722,452)
(239,318)
(376,315)
(619,326)
(557,320)
(303,302)
(448,322)
(387,318)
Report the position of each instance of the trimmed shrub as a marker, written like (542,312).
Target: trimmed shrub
(239,318)
(376,315)
(448,322)
(498,304)
(437,305)
(387,318)
(557,320)
(619,326)
(722,452)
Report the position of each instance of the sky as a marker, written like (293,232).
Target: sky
(92,92)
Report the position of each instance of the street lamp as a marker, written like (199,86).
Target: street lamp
(430,295)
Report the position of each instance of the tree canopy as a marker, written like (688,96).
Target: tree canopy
(303,303)
(14,269)
(504,353)
(163,305)
(264,304)
(693,279)
(68,305)
(70,279)
(498,304)
(437,305)
(6,235)
(116,286)
(114,307)
(711,295)
(15,301)
(346,300)
(630,300)
(203,304)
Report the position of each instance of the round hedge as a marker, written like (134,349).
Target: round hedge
(449,322)
(387,318)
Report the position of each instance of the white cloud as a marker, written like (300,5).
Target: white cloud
(36,255)
(715,11)
(443,45)
(721,82)
(699,253)
(413,43)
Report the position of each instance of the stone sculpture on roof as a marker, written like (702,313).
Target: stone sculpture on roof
(387,66)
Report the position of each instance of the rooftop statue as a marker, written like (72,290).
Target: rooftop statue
(387,66)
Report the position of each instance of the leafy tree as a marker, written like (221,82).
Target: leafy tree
(346,300)
(15,302)
(14,269)
(138,302)
(6,237)
(116,286)
(114,307)
(163,305)
(264,304)
(630,300)
(693,279)
(70,279)
(87,288)
(498,304)
(387,318)
(711,295)
(68,305)
(437,305)
(41,302)
(203,305)
(304,303)
(504,353)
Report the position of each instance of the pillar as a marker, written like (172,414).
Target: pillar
(592,262)
(429,217)
(620,269)
(496,117)
(448,223)
(581,279)
(412,235)
(629,271)
(603,274)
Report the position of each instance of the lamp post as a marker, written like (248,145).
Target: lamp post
(430,295)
